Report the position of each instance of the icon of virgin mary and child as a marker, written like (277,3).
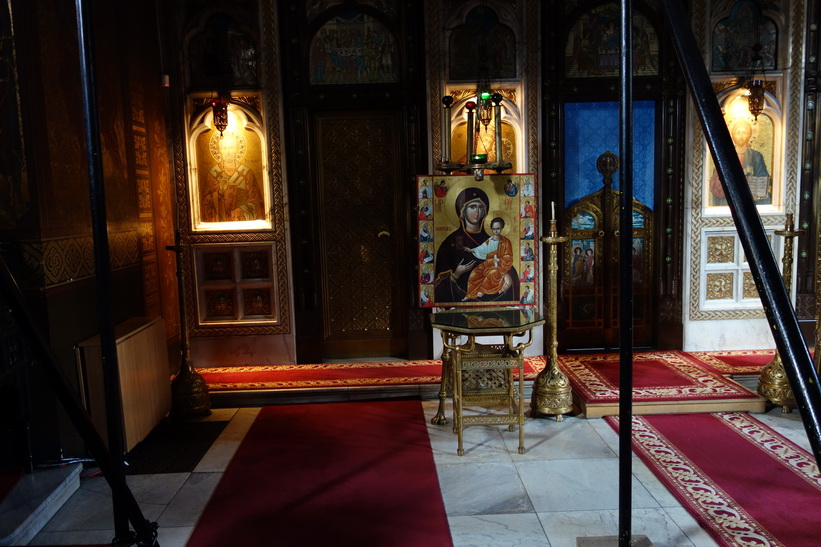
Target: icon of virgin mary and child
(473,265)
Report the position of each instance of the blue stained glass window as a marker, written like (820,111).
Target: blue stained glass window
(591,129)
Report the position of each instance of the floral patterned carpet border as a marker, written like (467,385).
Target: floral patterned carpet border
(745,483)
(336,375)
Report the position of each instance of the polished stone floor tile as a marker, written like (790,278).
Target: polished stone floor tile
(189,503)
(91,507)
(481,443)
(511,530)
(573,485)
(156,489)
(174,536)
(223,449)
(547,439)
(74,537)
(221,415)
(482,488)
(566,528)
(654,486)
(87,509)
(690,526)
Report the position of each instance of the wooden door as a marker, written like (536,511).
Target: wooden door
(591,268)
(360,220)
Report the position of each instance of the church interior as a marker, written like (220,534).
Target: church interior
(197,184)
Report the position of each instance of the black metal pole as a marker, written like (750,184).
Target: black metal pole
(111,376)
(763,266)
(626,275)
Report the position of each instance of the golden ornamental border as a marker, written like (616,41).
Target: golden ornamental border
(792,152)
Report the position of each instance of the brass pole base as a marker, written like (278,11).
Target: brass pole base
(774,385)
(189,395)
(446,383)
(552,394)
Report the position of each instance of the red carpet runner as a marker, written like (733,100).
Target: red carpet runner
(743,482)
(332,375)
(329,474)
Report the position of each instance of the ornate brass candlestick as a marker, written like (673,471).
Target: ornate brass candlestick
(773,383)
(447,165)
(552,394)
(189,392)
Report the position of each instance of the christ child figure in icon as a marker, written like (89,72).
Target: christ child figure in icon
(497,255)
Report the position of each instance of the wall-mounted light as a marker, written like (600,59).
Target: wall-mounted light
(219,108)
(755,85)
(484,113)
(755,99)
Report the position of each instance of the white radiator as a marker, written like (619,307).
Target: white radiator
(145,384)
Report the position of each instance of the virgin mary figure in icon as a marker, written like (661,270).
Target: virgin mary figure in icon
(455,259)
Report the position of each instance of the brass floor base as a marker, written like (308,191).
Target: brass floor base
(774,385)
(189,395)
(612,541)
(551,412)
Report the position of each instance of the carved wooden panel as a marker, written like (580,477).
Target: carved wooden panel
(255,265)
(219,304)
(357,184)
(591,269)
(217,265)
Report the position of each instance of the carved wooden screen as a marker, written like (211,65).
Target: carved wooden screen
(591,269)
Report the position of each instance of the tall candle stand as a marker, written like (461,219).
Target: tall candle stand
(447,165)
(773,382)
(189,391)
(552,394)
(500,165)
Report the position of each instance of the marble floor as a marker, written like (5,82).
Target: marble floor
(564,487)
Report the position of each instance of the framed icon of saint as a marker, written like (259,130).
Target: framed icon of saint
(229,188)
